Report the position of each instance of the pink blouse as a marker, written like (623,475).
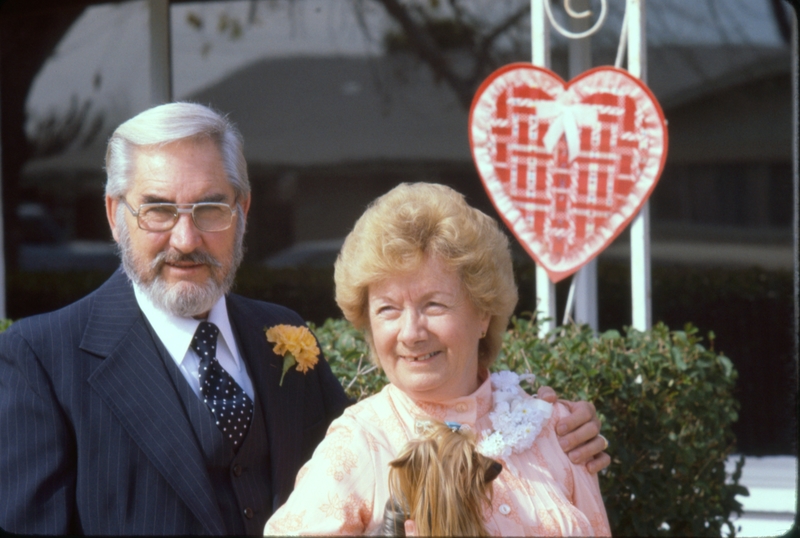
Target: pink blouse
(343,489)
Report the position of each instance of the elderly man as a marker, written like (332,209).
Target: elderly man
(155,405)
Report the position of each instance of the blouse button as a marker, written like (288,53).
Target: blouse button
(461,407)
(504,509)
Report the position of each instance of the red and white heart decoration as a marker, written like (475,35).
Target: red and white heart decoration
(567,165)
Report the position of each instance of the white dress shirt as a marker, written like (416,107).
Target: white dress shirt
(176,334)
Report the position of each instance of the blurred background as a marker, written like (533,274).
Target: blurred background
(341,100)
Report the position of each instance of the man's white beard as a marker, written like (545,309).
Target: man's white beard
(184,299)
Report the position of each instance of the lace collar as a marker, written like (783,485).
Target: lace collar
(517,418)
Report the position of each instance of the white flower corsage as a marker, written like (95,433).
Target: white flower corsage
(516,418)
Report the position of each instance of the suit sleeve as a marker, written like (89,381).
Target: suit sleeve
(37,450)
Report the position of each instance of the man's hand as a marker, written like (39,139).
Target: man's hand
(578,433)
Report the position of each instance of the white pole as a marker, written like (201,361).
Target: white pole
(540,35)
(585,280)
(160,53)
(641,294)
(586,311)
(540,54)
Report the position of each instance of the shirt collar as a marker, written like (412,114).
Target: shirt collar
(176,332)
(467,409)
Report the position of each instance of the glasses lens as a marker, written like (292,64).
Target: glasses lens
(212,217)
(157,217)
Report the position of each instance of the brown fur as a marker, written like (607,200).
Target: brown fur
(442,483)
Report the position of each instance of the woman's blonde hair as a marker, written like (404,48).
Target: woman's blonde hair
(411,222)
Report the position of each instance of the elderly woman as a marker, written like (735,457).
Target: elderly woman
(429,280)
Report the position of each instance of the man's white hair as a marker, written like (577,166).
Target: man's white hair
(169,123)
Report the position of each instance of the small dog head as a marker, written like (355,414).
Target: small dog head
(442,483)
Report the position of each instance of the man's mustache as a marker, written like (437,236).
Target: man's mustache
(173,256)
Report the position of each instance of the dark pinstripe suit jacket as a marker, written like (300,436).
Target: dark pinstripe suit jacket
(94,438)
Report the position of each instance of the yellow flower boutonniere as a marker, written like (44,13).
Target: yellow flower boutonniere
(297,346)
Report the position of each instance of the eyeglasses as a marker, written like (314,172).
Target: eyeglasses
(162,217)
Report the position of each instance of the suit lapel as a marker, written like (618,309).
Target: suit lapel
(134,383)
(282,406)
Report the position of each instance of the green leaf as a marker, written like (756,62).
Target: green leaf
(678,359)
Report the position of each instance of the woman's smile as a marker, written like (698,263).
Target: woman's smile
(419,358)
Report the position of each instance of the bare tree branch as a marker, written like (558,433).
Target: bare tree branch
(428,50)
(417,27)
(483,49)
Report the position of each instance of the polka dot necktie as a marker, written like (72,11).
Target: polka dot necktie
(230,405)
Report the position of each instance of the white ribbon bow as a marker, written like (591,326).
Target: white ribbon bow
(568,119)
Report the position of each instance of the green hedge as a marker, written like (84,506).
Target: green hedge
(665,401)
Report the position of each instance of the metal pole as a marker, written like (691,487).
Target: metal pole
(540,54)
(641,293)
(540,35)
(160,53)
(585,280)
